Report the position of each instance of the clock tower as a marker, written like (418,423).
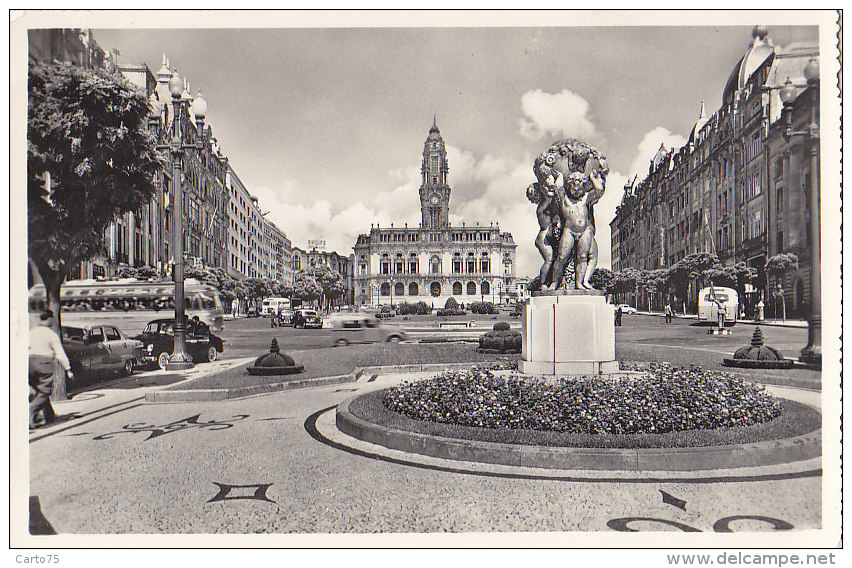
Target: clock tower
(434,191)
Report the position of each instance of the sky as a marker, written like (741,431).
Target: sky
(326,126)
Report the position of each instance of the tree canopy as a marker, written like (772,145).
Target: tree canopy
(90,159)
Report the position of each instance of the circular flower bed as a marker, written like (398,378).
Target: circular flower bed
(668,399)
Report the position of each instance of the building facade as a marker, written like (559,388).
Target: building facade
(434,261)
(223,224)
(718,193)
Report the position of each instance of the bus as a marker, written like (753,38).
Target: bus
(130,304)
(708,310)
(271,306)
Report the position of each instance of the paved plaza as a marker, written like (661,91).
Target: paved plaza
(276,464)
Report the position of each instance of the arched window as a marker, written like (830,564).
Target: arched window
(471,263)
(385,289)
(435,265)
(399,289)
(485,264)
(435,289)
(413,264)
(457,289)
(413,289)
(471,288)
(398,264)
(384,264)
(486,288)
(457,263)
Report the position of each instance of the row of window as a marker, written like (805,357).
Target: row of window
(399,289)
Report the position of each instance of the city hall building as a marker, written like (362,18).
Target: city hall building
(435,260)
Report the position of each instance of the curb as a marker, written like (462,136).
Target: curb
(772,452)
(739,321)
(198,395)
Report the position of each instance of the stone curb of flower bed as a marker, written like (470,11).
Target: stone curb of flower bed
(772,452)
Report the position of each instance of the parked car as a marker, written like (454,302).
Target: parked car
(307,318)
(158,339)
(100,348)
(362,328)
(283,318)
(626,308)
(252,312)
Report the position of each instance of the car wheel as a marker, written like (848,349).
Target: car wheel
(128,367)
(393,339)
(211,353)
(342,342)
(162,360)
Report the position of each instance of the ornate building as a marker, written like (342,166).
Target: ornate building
(735,189)
(434,261)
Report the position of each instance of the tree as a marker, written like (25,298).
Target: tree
(625,281)
(330,281)
(720,276)
(776,266)
(603,279)
(305,287)
(745,274)
(655,281)
(90,159)
(689,268)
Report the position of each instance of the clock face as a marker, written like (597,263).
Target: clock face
(434,199)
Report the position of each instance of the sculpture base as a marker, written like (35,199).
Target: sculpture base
(568,332)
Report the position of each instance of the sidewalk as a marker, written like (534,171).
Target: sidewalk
(802,324)
(116,395)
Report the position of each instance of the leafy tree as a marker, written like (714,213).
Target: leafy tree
(721,276)
(745,274)
(689,268)
(306,288)
(603,279)
(330,281)
(625,281)
(781,263)
(90,159)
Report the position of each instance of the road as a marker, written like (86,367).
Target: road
(256,465)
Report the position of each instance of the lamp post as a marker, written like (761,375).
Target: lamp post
(180,359)
(812,352)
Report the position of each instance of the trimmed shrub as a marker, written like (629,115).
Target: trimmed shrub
(483,308)
(501,326)
(500,341)
(420,308)
(451,304)
(451,312)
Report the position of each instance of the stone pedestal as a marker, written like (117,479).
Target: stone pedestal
(568,332)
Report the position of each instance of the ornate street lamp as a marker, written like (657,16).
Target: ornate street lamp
(812,352)
(180,359)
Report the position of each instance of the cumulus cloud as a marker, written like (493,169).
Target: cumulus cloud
(648,149)
(564,114)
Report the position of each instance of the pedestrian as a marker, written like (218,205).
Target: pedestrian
(618,313)
(44,350)
(669,313)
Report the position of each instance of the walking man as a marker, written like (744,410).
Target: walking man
(618,313)
(669,313)
(45,348)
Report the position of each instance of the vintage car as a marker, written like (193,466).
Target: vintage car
(158,340)
(363,328)
(100,348)
(282,318)
(307,318)
(626,308)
